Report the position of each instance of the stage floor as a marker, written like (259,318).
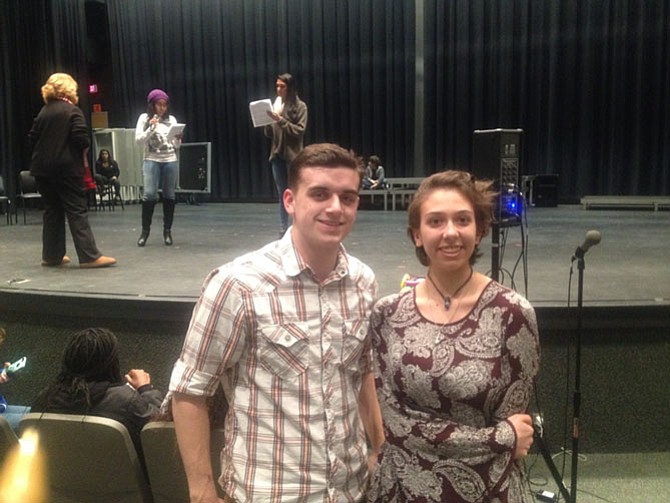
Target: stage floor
(629,266)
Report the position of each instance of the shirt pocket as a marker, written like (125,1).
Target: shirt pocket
(354,343)
(284,349)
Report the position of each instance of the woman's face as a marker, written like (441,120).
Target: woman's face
(447,229)
(161,107)
(104,155)
(281,89)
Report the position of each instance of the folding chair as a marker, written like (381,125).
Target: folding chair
(27,192)
(5,202)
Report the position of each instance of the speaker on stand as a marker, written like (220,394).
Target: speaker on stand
(497,156)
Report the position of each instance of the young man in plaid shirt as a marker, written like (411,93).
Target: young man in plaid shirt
(284,331)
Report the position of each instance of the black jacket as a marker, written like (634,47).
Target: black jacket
(110,171)
(58,138)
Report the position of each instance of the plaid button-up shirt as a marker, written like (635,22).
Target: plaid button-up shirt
(289,352)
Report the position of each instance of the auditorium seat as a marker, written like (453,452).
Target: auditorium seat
(8,439)
(166,471)
(89,459)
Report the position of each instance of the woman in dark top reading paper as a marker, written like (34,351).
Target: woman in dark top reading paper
(290,121)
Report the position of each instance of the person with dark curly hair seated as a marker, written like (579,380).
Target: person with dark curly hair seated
(90,382)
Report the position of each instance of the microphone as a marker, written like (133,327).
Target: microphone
(148,123)
(592,238)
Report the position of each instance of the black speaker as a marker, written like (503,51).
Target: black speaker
(496,155)
(98,46)
(194,167)
(545,191)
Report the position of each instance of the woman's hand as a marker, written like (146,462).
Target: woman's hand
(523,427)
(274,116)
(372,462)
(3,375)
(138,378)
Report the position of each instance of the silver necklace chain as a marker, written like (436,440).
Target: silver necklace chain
(447,298)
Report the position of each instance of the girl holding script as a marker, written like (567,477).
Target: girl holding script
(160,135)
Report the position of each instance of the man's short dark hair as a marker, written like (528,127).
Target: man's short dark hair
(323,155)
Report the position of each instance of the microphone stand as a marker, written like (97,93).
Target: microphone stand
(571,496)
(576,397)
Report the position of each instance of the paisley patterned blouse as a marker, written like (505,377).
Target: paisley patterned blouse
(445,391)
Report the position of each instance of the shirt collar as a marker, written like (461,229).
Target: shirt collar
(293,264)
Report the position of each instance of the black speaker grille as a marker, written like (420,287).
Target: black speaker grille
(509,171)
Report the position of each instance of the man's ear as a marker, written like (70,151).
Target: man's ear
(289,201)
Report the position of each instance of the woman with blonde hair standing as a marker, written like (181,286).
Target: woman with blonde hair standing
(59,140)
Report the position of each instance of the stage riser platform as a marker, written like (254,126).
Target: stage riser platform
(626,202)
(625,379)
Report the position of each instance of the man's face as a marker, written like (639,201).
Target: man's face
(323,206)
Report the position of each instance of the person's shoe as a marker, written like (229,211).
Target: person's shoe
(167,238)
(101,261)
(143,238)
(64,260)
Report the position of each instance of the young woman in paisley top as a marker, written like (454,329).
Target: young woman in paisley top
(456,359)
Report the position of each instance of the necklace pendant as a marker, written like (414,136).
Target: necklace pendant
(447,303)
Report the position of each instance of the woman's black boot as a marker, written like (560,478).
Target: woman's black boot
(168,217)
(147,216)
(143,238)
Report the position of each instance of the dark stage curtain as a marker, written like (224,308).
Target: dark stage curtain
(587,81)
(38,39)
(353,62)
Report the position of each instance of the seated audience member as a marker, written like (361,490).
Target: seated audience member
(12,413)
(107,171)
(366,183)
(377,176)
(90,383)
